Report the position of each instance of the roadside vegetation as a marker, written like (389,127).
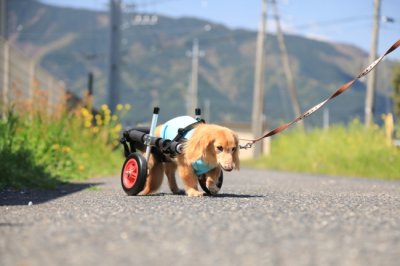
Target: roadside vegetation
(341,150)
(38,150)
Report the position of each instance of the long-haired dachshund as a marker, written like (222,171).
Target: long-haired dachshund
(209,149)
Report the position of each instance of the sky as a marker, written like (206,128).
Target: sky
(345,21)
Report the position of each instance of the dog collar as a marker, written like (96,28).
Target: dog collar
(200,167)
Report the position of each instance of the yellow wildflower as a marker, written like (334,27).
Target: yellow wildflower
(117,127)
(66,149)
(127,106)
(85,112)
(99,120)
(81,167)
(104,107)
(55,147)
(107,118)
(119,107)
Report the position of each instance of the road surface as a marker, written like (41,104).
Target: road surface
(260,218)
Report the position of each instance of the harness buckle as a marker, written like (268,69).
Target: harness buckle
(147,140)
(248,145)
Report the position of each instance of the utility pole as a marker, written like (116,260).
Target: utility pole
(6,54)
(207,110)
(193,89)
(113,92)
(325,119)
(257,120)
(286,66)
(89,100)
(3,19)
(371,79)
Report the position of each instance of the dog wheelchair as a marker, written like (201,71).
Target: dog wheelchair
(135,169)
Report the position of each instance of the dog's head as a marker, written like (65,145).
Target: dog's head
(215,145)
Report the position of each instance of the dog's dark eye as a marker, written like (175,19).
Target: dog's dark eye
(220,148)
(233,149)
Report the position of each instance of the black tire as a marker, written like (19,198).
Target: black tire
(202,182)
(134,174)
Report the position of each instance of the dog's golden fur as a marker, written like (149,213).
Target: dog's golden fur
(217,146)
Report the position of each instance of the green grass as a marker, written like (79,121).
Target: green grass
(94,188)
(41,151)
(343,151)
(37,150)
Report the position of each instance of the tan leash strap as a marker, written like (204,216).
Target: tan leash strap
(312,110)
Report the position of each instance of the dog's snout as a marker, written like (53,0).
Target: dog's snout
(227,167)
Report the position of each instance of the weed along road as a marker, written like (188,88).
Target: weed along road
(260,218)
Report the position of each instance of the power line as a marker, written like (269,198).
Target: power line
(155,2)
(333,22)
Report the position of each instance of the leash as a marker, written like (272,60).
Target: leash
(343,88)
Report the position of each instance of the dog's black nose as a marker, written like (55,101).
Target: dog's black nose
(226,169)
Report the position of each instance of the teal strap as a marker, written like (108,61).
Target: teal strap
(200,167)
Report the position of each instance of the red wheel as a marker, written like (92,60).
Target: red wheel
(134,173)
(130,173)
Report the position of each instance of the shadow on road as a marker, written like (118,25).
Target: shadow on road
(229,195)
(13,197)
(222,195)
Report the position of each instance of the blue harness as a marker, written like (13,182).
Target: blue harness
(170,130)
(200,167)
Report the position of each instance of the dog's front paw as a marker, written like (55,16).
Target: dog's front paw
(213,189)
(212,186)
(194,193)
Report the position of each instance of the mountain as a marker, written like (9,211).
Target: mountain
(156,70)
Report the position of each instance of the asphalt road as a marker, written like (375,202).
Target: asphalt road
(260,218)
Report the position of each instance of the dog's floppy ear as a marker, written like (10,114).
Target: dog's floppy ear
(197,146)
(235,155)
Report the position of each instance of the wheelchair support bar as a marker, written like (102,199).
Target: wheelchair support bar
(165,145)
(197,112)
(152,129)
